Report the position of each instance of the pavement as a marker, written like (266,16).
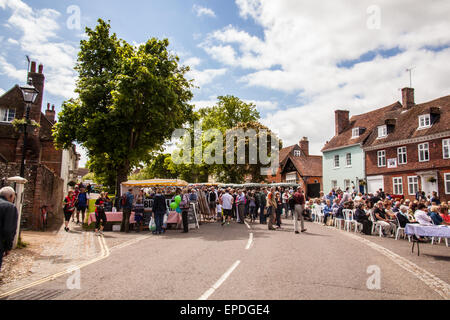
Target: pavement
(240,262)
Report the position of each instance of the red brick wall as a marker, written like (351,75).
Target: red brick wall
(51,157)
(411,168)
(436,159)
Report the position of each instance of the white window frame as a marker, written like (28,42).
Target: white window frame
(334,184)
(291,178)
(446,145)
(383,152)
(397,183)
(297,153)
(347,184)
(421,148)
(7,114)
(424,121)
(414,183)
(446,180)
(402,152)
(338,159)
(355,133)
(382,132)
(347,158)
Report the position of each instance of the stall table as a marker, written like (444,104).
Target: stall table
(426,231)
(112,217)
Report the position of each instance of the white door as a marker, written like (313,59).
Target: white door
(374,184)
(427,186)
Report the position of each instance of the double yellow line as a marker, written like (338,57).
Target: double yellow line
(104,254)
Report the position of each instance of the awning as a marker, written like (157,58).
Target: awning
(155,183)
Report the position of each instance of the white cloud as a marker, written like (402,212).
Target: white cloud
(201,104)
(8,69)
(203,11)
(2,91)
(264,105)
(202,77)
(13,41)
(39,39)
(303,44)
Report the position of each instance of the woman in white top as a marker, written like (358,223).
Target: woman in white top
(422,216)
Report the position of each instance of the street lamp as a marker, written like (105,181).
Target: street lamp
(30,94)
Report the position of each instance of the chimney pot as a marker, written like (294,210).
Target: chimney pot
(33,66)
(41,68)
(408,98)
(53,108)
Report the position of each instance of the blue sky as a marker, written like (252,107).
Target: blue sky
(296,60)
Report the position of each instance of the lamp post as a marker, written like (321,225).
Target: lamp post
(30,94)
(20,187)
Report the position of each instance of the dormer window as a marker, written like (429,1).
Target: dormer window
(297,153)
(424,121)
(7,115)
(355,133)
(382,132)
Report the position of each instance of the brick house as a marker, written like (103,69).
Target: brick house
(298,166)
(409,149)
(47,170)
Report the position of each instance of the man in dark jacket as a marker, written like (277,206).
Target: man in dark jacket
(159,210)
(8,221)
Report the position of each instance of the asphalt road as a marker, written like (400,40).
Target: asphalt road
(236,263)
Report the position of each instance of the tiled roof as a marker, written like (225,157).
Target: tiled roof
(310,166)
(284,153)
(368,120)
(407,122)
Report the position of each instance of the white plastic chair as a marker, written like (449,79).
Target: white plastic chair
(318,215)
(376,225)
(348,218)
(337,221)
(400,230)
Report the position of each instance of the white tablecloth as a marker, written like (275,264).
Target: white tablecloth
(427,231)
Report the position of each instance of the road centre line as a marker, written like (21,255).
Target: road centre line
(250,242)
(439,286)
(222,279)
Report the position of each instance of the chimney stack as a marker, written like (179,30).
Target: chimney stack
(33,66)
(342,120)
(41,68)
(304,146)
(50,114)
(408,98)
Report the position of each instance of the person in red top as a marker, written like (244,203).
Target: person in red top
(444,214)
(69,208)
(299,200)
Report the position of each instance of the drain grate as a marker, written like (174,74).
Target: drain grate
(34,294)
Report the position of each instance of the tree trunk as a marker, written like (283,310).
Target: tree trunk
(122,176)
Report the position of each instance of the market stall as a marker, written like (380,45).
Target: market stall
(168,187)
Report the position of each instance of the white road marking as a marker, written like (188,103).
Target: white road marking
(436,284)
(250,242)
(104,254)
(248,226)
(222,279)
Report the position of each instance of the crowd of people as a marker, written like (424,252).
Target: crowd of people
(267,205)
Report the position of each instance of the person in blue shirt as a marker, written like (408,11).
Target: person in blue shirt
(435,216)
(327,211)
(82,204)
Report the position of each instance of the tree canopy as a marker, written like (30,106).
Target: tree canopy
(130,100)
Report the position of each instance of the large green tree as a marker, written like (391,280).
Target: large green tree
(130,100)
(229,114)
